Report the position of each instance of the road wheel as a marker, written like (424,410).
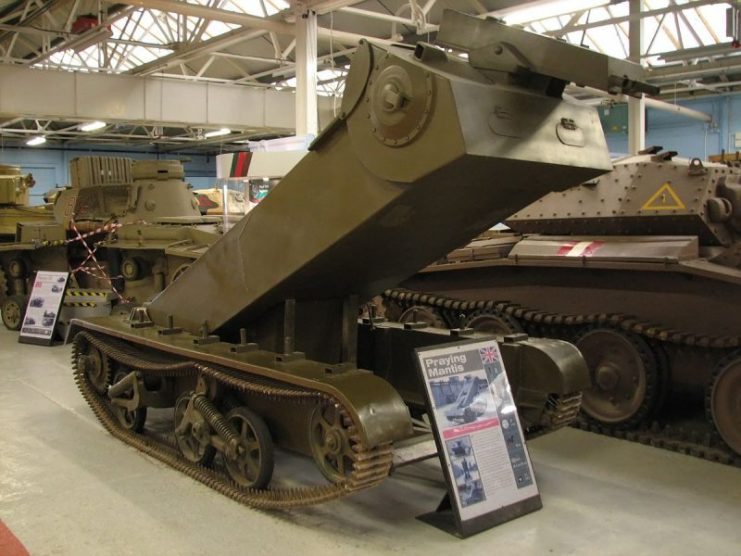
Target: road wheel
(492,322)
(420,313)
(723,400)
(13,311)
(625,377)
(252,464)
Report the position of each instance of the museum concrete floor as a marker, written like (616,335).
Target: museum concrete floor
(67,487)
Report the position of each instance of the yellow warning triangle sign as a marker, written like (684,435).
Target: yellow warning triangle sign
(664,199)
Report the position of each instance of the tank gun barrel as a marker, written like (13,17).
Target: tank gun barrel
(494,46)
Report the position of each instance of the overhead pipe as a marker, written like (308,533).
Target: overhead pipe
(653,103)
(677,109)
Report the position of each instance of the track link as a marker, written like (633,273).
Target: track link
(676,439)
(370,466)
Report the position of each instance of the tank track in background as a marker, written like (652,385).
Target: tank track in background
(451,309)
(684,439)
(370,466)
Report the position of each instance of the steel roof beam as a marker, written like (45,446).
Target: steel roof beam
(205,12)
(647,13)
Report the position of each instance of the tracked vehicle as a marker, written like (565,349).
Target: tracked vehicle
(14,212)
(258,343)
(159,228)
(139,217)
(642,270)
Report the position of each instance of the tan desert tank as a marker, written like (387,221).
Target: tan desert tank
(259,345)
(14,206)
(641,268)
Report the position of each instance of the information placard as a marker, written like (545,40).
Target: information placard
(43,308)
(479,437)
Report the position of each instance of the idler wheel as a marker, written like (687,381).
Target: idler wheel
(723,401)
(13,311)
(192,432)
(130,420)
(625,377)
(131,269)
(492,322)
(419,313)
(97,367)
(331,445)
(251,466)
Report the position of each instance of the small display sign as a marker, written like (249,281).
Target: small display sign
(479,437)
(43,308)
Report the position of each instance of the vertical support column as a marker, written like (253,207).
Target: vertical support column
(306,101)
(636,106)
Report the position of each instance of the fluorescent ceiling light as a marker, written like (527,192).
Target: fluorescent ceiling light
(92,126)
(537,11)
(218,132)
(37,140)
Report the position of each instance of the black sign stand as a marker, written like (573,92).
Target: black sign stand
(447,516)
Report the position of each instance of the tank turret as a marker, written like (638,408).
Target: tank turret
(14,186)
(125,191)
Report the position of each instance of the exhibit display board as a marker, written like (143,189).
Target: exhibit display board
(43,308)
(479,437)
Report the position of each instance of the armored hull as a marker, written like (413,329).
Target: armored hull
(258,344)
(640,269)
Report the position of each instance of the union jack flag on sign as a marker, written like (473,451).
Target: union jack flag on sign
(488,355)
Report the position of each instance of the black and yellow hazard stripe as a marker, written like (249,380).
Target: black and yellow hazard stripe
(80,304)
(86,293)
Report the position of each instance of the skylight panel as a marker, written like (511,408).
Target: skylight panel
(254,7)
(551,24)
(606,37)
(699,27)
(715,15)
(216,28)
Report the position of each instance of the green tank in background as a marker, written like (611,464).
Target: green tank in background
(641,268)
(141,219)
(159,228)
(258,344)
